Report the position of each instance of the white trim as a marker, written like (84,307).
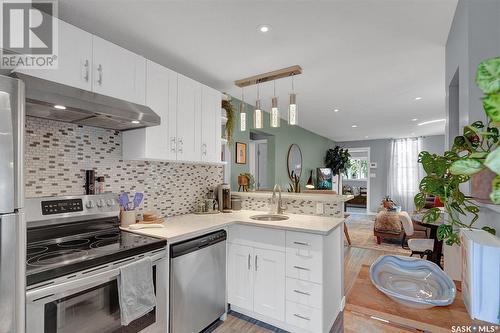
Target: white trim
(368,180)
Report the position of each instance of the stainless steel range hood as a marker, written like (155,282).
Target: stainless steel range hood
(83,107)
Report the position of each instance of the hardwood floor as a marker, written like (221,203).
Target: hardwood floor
(349,322)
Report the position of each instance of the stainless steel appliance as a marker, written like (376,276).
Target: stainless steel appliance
(12,221)
(74,254)
(83,107)
(197,282)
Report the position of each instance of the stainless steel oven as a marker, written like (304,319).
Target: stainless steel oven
(87,301)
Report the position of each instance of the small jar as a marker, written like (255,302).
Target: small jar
(100,185)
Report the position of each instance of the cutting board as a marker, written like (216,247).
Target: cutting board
(364,298)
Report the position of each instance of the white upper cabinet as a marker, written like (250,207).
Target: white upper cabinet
(188,119)
(210,124)
(74,59)
(115,69)
(157,142)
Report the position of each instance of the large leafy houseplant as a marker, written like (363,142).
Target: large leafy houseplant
(337,159)
(473,151)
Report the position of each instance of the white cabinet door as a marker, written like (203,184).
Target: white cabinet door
(115,70)
(269,285)
(74,59)
(240,276)
(188,119)
(210,122)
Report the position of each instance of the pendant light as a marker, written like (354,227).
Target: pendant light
(243,114)
(275,112)
(292,108)
(258,120)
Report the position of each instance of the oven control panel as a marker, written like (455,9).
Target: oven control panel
(61,206)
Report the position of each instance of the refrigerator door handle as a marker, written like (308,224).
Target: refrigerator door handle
(13,277)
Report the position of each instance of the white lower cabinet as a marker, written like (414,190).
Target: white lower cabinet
(292,280)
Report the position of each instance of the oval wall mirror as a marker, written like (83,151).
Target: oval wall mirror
(294,161)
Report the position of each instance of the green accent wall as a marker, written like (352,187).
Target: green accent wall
(313,148)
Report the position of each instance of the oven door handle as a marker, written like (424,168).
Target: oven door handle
(52,292)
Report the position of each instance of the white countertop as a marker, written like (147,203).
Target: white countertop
(308,196)
(182,227)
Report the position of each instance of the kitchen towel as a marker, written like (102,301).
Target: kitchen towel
(135,290)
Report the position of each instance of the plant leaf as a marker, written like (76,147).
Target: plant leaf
(490,230)
(479,155)
(493,161)
(488,76)
(444,231)
(432,215)
(466,166)
(495,191)
(419,200)
(491,104)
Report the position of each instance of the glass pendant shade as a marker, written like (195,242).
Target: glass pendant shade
(243,117)
(275,113)
(292,110)
(258,120)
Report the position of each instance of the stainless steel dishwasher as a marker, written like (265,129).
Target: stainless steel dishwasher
(197,282)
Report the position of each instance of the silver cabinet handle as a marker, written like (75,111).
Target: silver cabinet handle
(180,144)
(256,266)
(301,317)
(99,70)
(172,144)
(301,268)
(301,292)
(249,258)
(86,70)
(301,243)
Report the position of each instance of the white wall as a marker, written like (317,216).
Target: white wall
(474,36)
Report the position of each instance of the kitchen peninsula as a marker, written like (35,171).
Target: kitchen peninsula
(286,273)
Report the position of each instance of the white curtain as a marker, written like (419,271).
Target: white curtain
(404,172)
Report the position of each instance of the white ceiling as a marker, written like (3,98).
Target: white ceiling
(368,58)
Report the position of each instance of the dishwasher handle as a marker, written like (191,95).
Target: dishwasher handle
(197,243)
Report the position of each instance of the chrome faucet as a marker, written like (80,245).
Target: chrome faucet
(280,208)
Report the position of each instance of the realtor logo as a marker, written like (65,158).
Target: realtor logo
(29,34)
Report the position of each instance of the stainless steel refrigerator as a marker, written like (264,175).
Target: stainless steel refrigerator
(12,221)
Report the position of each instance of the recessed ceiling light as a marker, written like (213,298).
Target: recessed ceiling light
(60,107)
(366,136)
(135,122)
(414,119)
(431,122)
(418,98)
(354,126)
(264,28)
(336,110)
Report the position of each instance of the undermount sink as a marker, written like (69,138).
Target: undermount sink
(269,217)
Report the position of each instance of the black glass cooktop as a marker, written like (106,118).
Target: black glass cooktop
(54,258)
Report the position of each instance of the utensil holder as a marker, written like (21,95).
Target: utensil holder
(127,217)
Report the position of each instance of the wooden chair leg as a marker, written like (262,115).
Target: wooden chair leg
(346,233)
(378,240)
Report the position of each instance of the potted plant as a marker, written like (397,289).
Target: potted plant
(337,159)
(230,114)
(473,152)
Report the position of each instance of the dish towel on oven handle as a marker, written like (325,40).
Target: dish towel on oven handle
(135,290)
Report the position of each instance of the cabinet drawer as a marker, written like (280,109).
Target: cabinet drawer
(304,266)
(264,238)
(302,316)
(304,242)
(303,292)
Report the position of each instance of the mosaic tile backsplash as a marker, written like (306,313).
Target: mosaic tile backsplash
(57,155)
(294,206)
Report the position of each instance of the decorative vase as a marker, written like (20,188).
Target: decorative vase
(127,217)
(481,184)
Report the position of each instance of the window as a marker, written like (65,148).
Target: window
(358,169)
